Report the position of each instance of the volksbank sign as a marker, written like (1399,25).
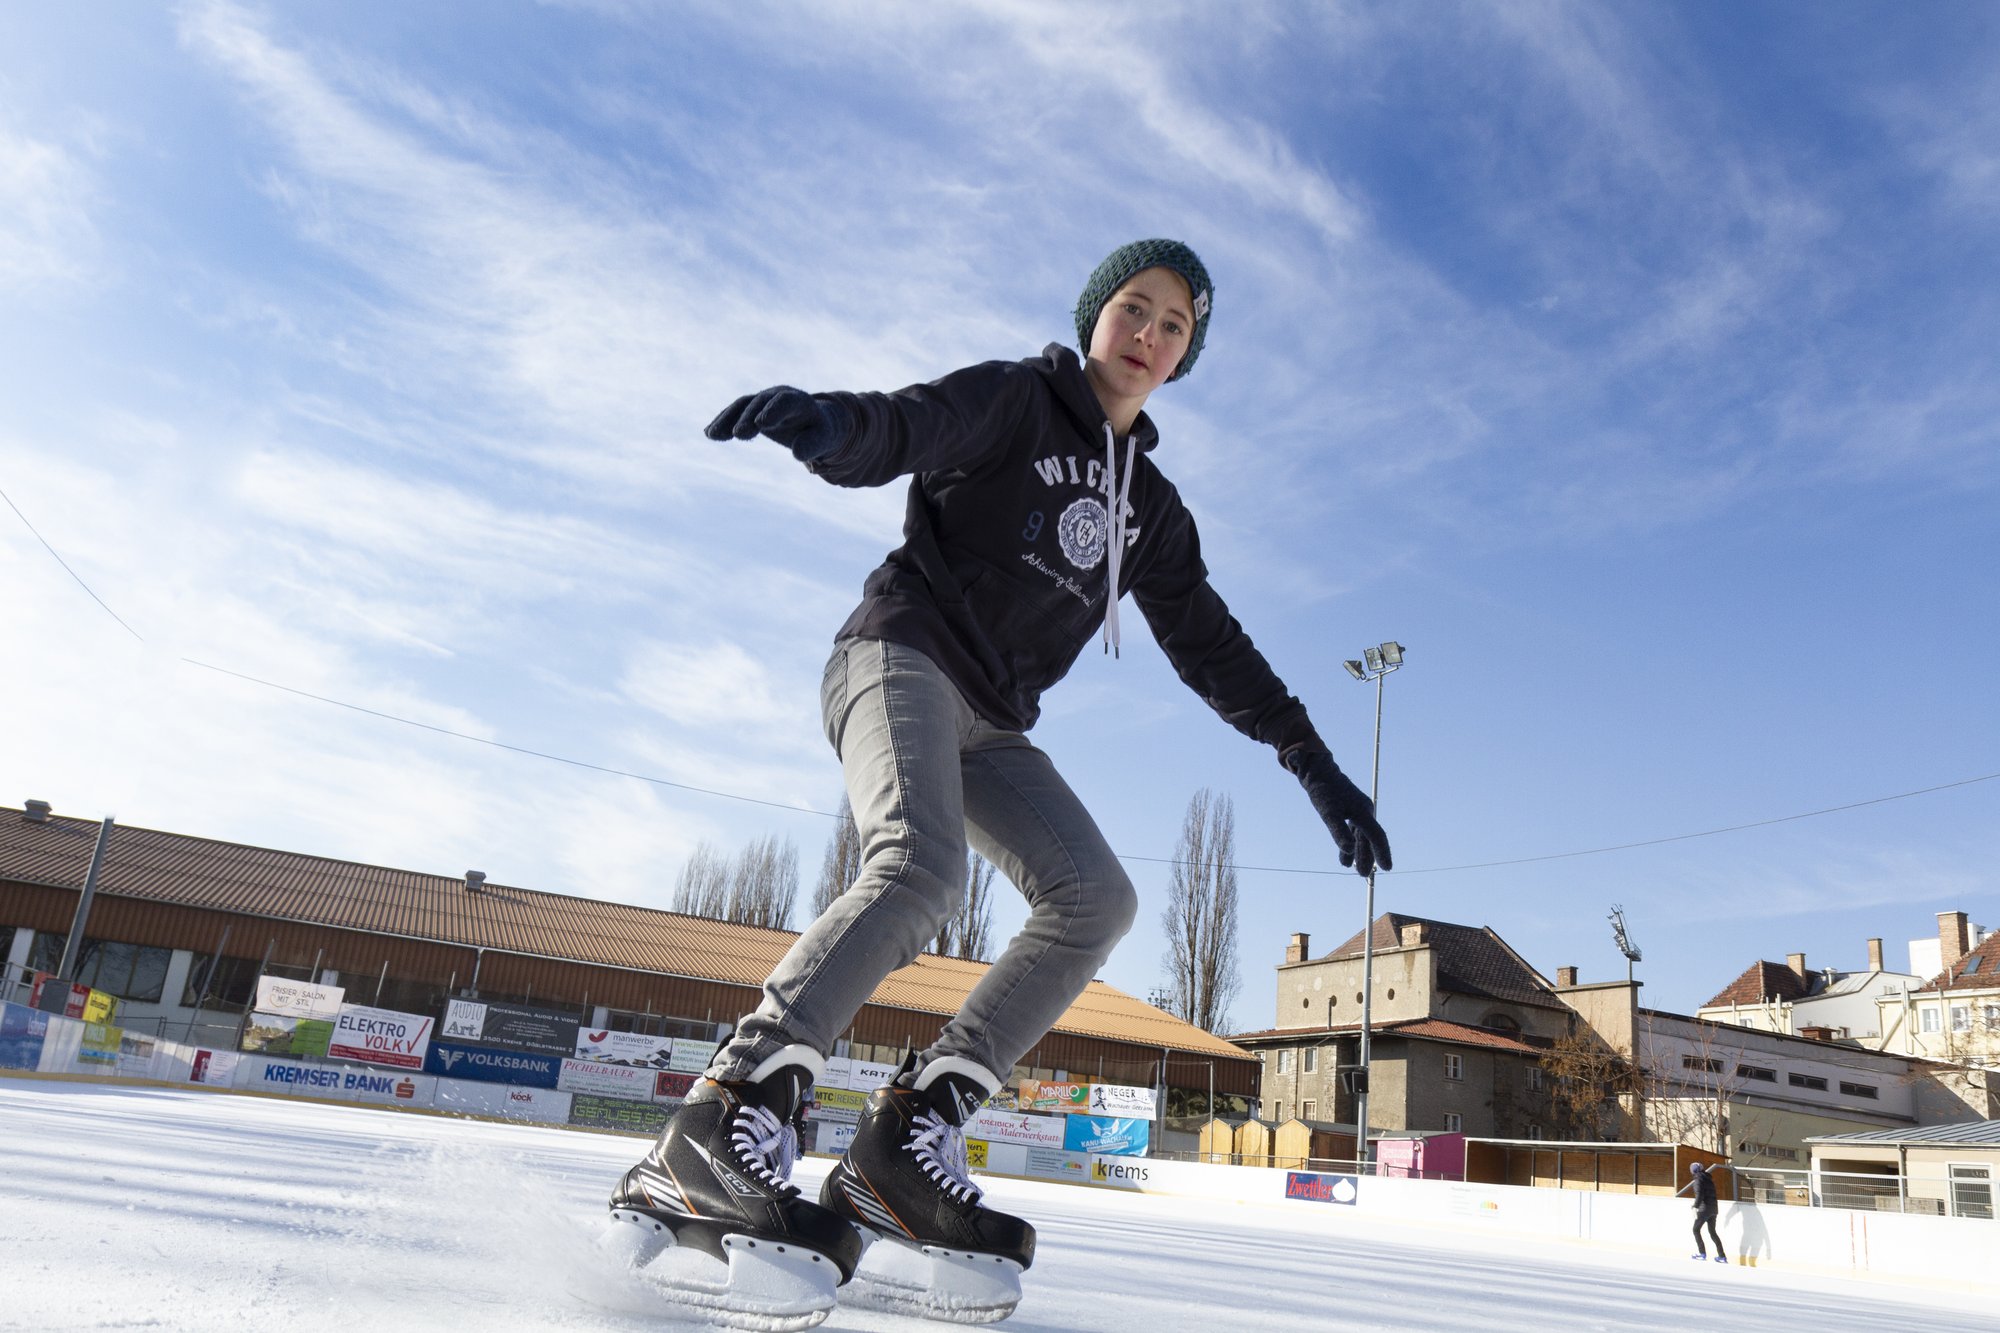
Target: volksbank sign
(487,1064)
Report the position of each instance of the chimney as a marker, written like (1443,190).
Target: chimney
(1301,945)
(1565,976)
(36,812)
(1415,933)
(1953,941)
(475,880)
(1796,962)
(1874,955)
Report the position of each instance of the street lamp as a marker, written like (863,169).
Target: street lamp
(1376,663)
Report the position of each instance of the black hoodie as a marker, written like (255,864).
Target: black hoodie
(1002,577)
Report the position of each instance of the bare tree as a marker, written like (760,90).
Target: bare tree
(764,884)
(968,932)
(843,860)
(1584,1083)
(703,886)
(1691,1103)
(1201,917)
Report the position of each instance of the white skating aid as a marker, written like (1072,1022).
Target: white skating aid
(767,1286)
(931,1282)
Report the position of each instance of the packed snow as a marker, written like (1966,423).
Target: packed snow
(150,1207)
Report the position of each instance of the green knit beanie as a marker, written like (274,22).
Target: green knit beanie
(1120,265)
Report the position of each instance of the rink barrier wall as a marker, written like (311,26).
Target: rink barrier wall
(1910,1247)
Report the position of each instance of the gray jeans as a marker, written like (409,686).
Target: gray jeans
(925,775)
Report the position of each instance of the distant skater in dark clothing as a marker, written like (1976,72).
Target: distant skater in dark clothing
(1705,1209)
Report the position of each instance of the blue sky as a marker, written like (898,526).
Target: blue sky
(1632,365)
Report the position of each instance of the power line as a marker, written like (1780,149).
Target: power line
(502,745)
(65,564)
(1123,856)
(826,814)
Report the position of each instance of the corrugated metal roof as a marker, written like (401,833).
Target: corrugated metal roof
(1429,1029)
(1967,1133)
(260,881)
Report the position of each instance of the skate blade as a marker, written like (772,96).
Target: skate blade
(931,1282)
(766,1286)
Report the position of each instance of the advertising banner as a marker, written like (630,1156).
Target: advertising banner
(100,1046)
(1314,1187)
(275,1034)
(22,1032)
(625,1048)
(617,1113)
(1105,1135)
(380,1036)
(298,999)
(217,1067)
(1120,1172)
(484,1064)
(50,995)
(1060,1098)
(262,1073)
(1116,1100)
(866,1076)
(841,1104)
(671,1087)
(832,1137)
(135,1053)
(628,1081)
(540,1105)
(517,1027)
(691,1056)
(1055,1164)
(1035,1131)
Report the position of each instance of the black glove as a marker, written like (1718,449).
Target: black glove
(810,427)
(1349,815)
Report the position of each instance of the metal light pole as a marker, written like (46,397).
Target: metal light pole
(1377,663)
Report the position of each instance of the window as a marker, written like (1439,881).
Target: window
(1535,1078)
(1927,1020)
(1707,1066)
(1451,1122)
(1991,1015)
(1284,1062)
(1307,1109)
(1454,1066)
(1758,1072)
(1859,1090)
(231,982)
(129,971)
(1312,1058)
(1972,965)
(1806,1081)
(1971,1191)
(1534,1132)
(1961,1018)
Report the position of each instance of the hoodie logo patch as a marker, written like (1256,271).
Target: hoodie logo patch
(1082,530)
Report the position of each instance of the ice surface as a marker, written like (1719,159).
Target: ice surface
(159,1208)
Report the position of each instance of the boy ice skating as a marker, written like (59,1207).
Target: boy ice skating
(1034,495)
(1705,1210)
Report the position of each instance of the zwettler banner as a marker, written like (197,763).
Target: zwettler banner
(486,1064)
(519,1027)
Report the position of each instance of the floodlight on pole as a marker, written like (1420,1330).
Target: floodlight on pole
(1381,660)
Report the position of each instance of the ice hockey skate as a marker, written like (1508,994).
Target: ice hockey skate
(710,1218)
(934,1250)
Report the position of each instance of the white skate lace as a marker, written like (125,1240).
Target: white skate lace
(939,1147)
(765,1145)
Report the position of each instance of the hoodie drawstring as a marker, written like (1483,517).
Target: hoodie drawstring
(1115,500)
